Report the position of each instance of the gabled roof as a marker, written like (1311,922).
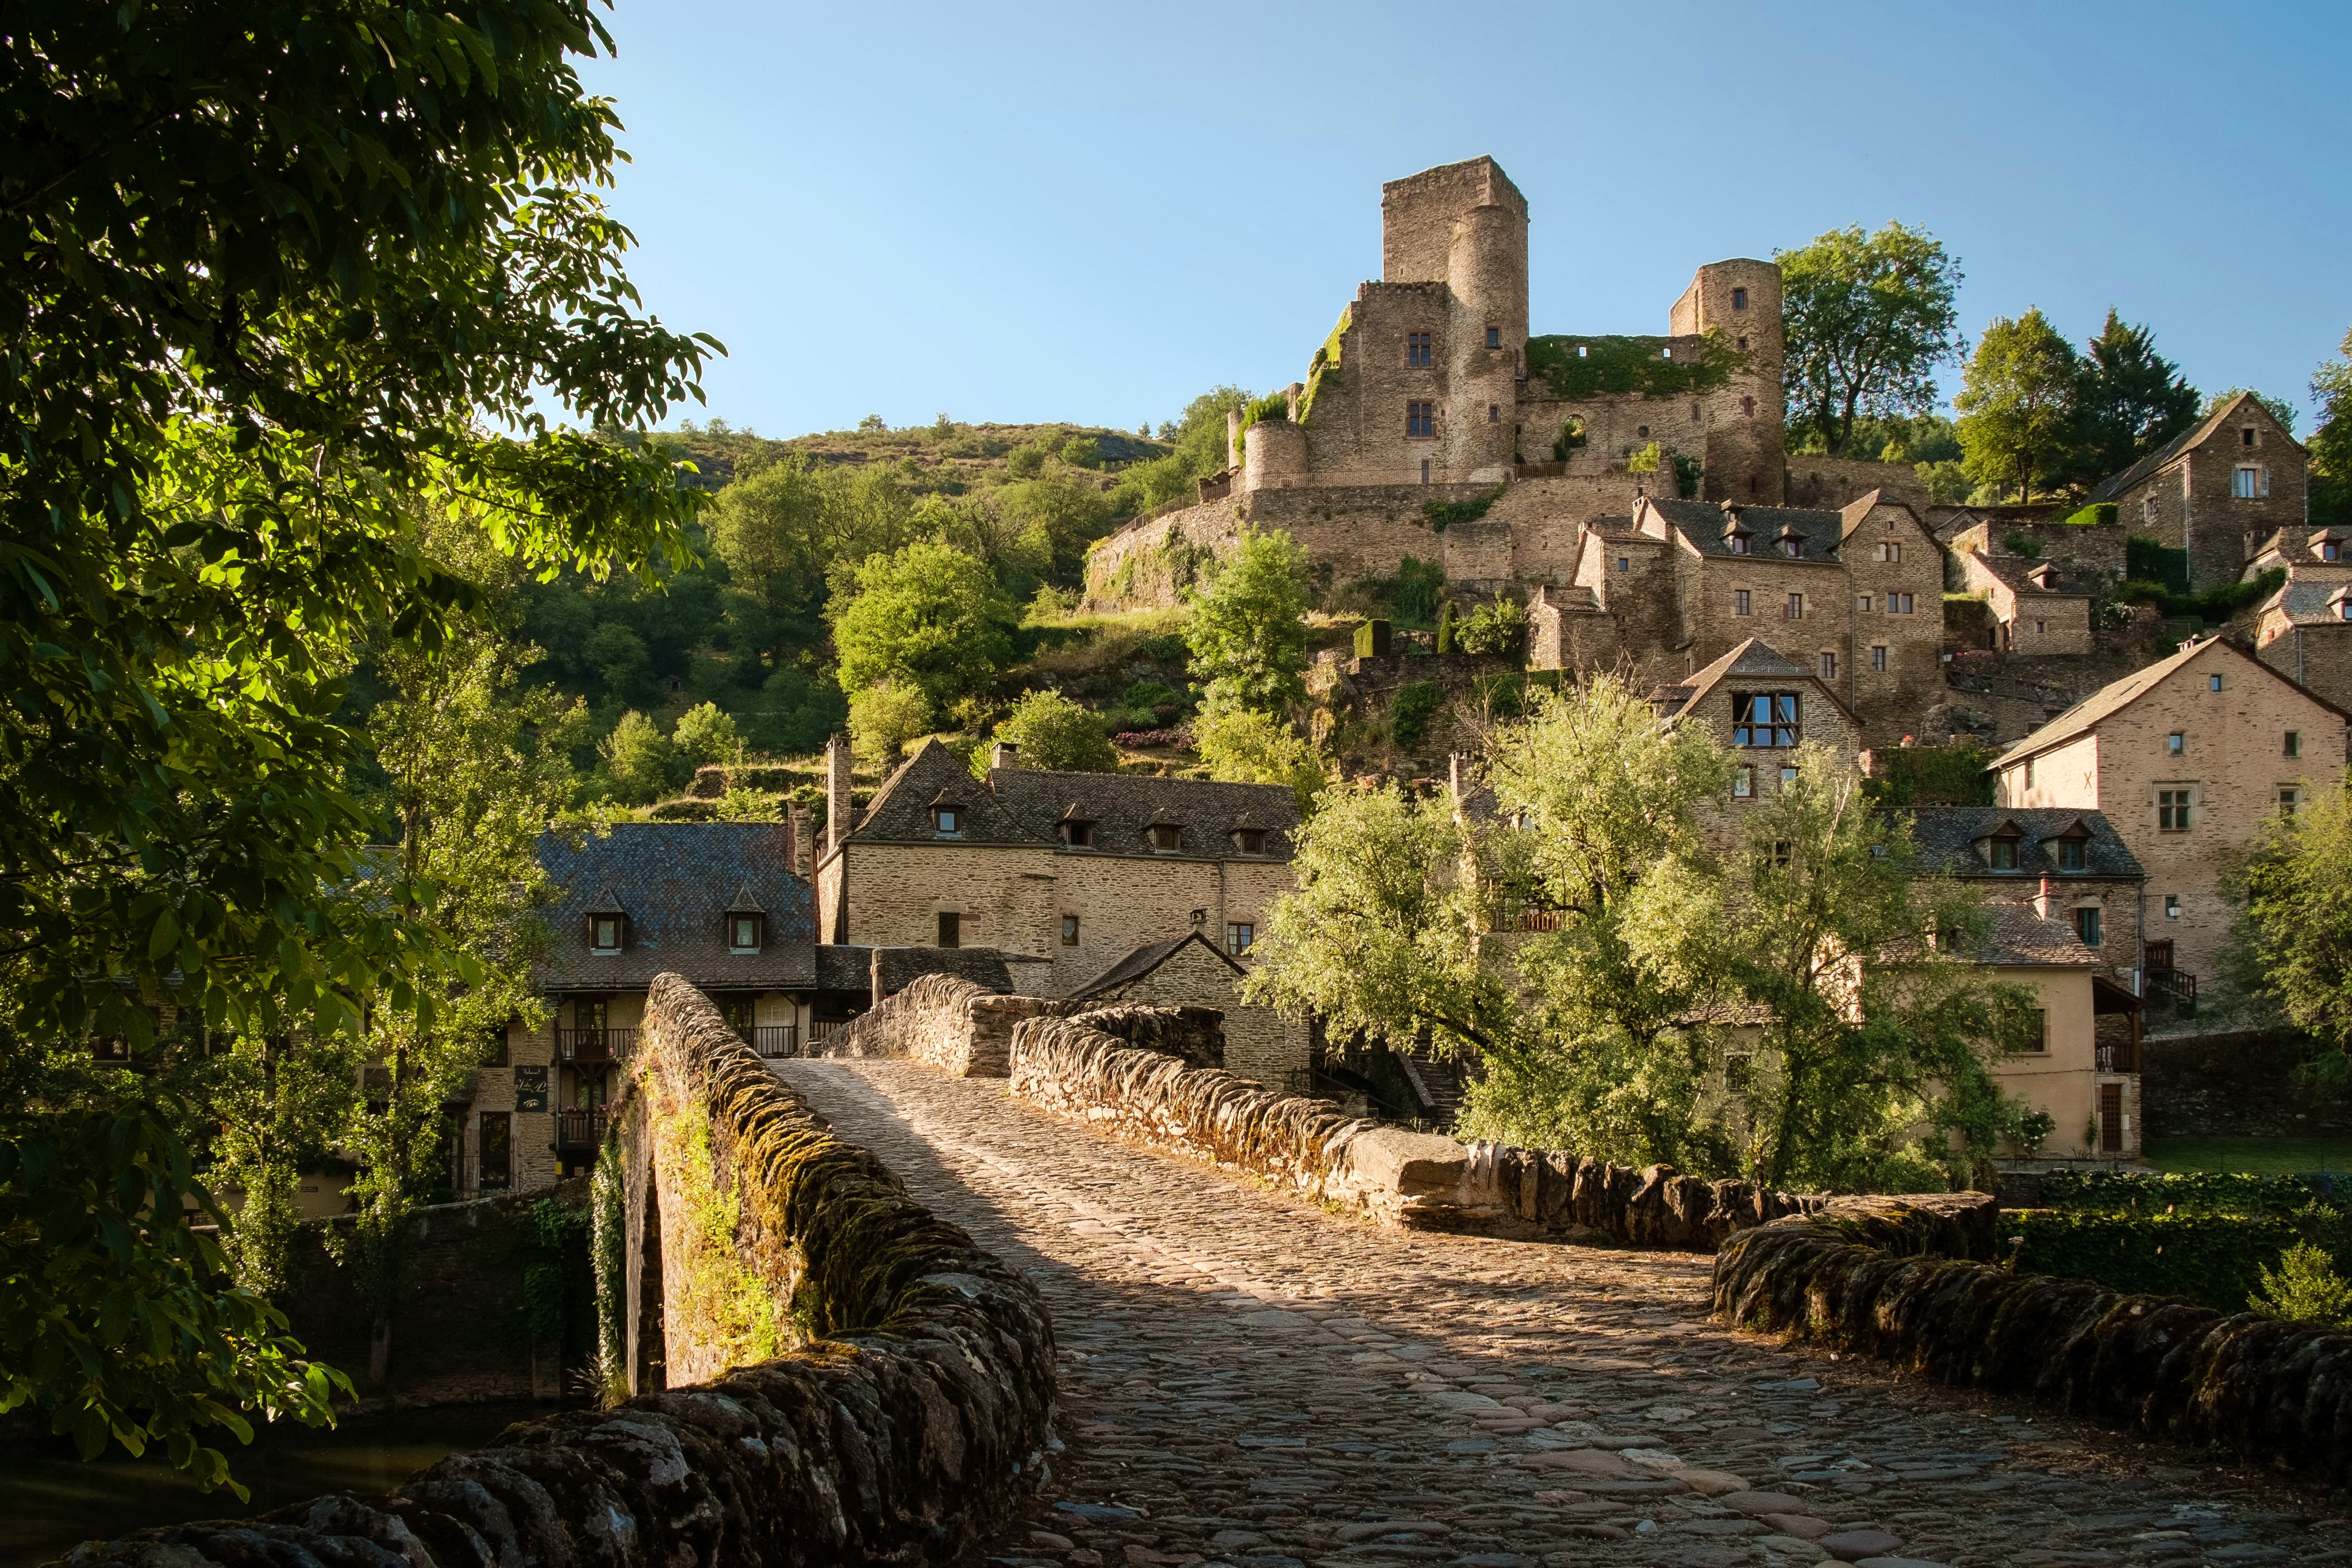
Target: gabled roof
(1028,806)
(672,879)
(2017,572)
(1147,958)
(2116,696)
(2023,935)
(1854,513)
(2312,601)
(1753,659)
(2196,435)
(1947,836)
(1705,524)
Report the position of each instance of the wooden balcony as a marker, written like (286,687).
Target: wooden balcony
(594,1045)
(580,1130)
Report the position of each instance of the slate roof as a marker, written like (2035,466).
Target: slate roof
(2311,602)
(1026,806)
(2117,695)
(845,968)
(675,882)
(1753,659)
(1949,840)
(2195,436)
(2016,572)
(1708,527)
(1147,958)
(2023,935)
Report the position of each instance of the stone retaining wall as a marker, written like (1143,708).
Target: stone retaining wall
(1865,1277)
(1417,1180)
(906,1428)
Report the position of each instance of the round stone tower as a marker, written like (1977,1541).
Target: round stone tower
(1487,332)
(1273,456)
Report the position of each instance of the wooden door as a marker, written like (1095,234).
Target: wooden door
(2111,1118)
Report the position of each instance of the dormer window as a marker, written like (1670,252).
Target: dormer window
(1736,542)
(2073,852)
(2001,851)
(947,816)
(743,932)
(606,933)
(1764,719)
(1250,840)
(2329,550)
(1075,833)
(1167,837)
(1792,544)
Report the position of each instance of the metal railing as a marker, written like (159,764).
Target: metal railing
(581,1129)
(772,1040)
(594,1045)
(2176,988)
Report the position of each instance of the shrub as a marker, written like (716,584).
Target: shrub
(1410,714)
(638,757)
(2152,1190)
(704,734)
(2017,542)
(1930,776)
(1057,735)
(1571,437)
(2216,1260)
(2152,560)
(1445,627)
(1244,747)
(1496,628)
(1419,586)
(2305,1288)
(1643,459)
(2097,514)
(884,717)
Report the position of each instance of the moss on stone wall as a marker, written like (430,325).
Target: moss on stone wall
(1622,365)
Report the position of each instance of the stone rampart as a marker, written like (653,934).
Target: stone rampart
(906,1425)
(1417,1180)
(1890,1277)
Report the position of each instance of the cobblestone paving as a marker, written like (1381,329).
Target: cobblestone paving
(1250,1381)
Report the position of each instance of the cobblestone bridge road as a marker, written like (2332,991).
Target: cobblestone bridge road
(1250,1381)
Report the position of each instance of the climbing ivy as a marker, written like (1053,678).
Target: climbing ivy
(1614,363)
(723,1303)
(1443,515)
(1324,369)
(1410,714)
(608,1208)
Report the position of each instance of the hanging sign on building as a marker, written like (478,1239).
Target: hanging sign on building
(531,1088)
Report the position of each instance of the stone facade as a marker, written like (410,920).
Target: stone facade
(1076,870)
(1760,707)
(2186,757)
(1260,1045)
(2217,491)
(2305,629)
(2034,607)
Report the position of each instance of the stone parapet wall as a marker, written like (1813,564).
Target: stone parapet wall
(1416,1180)
(936,1020)
(1893,1278)
(908,1425)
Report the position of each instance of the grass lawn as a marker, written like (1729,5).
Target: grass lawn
(2251,1156)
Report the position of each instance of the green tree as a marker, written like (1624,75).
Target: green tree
(1243,746)
(1868,1032)
(928,617)
(1247,630)
(884,717)
(2132,400)
(1867,319)
(2017,404)
(381,280)
(2291,952)
(703,735)
(1058,735)
(1198,437)
(638,758)
(2331,443)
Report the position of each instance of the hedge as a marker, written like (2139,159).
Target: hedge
(2212,1258)
(2151,1192)
(2097,514)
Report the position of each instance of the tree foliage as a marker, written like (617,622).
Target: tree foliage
(277,280)
(1240,745)
(1247,630)
(1867,319)
(2132,400)
(2292,949)
(926,616)
(2017,404)
(2331,442)
(1058,735)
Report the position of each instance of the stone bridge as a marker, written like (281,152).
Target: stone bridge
(1117,1308)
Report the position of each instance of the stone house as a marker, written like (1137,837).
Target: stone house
(1760,707)
(2217,490)
(2186,757)
(717,903)
(2035,607)
(2071,866)
(1189,970)
(2085,1078)
(2304,630)
(1065,875)
(1857,595)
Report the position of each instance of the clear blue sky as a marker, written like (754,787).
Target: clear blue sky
(1092,213)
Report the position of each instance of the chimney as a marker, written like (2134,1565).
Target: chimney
(838,809)
(2041,903)
(794,826)
(1233,437)
(1003,755)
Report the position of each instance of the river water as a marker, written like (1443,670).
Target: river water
(49,1500)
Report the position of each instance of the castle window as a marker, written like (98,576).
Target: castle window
(1239,935)
(1493,337)
(1624,563)
(1747,404)
(2040,628)
(2172,811)
(2289,798)
(2040,1030)
(2087,926)
(1898,604)
(1743,348)
(1861,603)
(1795,608)
(2246,436)
(1416,350)
(2250,482)
(1743,602)
(2212,683)
(2171,907)
(1494,413)
(1782,851)
(1788,777)
(1878,656)
(1739,298)
(1764,719)
(1250,840)
(2147,507)
(1424,470)
(1694,413)
(1642,432)
(1069,931)
(950,929)
(1890,549)
(1829,666)
(1167,837)
(1421,419)
(1743,782)
(2294,744)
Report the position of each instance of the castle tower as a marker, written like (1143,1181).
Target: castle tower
(1465,225)
(1746,452)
